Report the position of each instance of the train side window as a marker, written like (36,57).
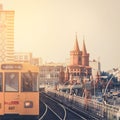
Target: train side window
(11,81)
(1,82)
(29,82)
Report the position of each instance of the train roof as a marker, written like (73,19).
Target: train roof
(18,66)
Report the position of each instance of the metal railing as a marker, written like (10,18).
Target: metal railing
(93,107)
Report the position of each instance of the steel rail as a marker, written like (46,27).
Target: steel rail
(44,112)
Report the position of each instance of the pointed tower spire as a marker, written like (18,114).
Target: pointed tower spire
(76,46)
(85,55)
(76,54)
(84,51)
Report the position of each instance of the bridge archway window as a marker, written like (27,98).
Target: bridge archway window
(77,74)
(74,74)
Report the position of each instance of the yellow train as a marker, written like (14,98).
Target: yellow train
(19,93)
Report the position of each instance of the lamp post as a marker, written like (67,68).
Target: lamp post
(110,80)
(93,79)
(104,100)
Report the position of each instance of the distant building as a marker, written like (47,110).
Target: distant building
(36,61)
(26,57)
(96,67)
(23,57)
(79,64)
(51,73)
(6,35)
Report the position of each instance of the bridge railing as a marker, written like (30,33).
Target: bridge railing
(93,107)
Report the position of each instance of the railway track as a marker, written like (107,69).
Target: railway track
(72,105)
(57,111)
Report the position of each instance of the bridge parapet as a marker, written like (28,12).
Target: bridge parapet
(92,107)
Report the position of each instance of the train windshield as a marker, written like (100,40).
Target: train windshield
(29,82)
(1,80)
(11,81)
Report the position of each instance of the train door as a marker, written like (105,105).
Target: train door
(29,94)
(11,96)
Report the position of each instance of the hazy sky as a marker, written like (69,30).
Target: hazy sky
(47,28)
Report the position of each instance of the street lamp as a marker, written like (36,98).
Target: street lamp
(93,79)
(111,79)
(116,72)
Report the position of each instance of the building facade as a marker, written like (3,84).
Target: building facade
(79,64)
(51,73)
(26,57)
(22,57)
(96,67)
(6,35)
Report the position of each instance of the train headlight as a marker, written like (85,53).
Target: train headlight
(28,104)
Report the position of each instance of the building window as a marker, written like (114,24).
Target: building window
(79,59)
(74,74)
(25,57)
(51,75)
(56,75)
(21,57)
(16,57)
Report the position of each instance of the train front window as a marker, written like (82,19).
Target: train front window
(29,82)
(11,81)
(1,81)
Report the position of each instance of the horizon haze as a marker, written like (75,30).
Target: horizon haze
(47,28)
